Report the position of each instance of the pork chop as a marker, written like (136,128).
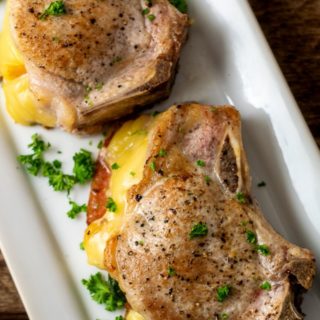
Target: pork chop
(193,244)
(96,61)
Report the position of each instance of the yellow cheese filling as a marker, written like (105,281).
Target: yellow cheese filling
(127,154)
(132,315)
(21,104)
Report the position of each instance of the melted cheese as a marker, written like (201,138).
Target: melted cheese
(132,315)
(20,101)
(128,149)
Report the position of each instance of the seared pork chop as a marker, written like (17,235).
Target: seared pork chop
(193,244)
(99,60)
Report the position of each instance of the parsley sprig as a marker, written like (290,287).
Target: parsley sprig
(198,230)
(106,292)
(76,209)
(263,249)
(223,292)
(36,165)
(55,8)
(33,162)
(181,5)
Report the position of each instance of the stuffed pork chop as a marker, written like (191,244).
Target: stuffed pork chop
(171,219)
(79,63)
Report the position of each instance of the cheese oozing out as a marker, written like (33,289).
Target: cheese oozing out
(21,103)
(127,149)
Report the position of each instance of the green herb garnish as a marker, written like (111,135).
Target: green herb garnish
(207,179)
(251,237)
(162,153)
(263,249)
(33,162)
(99,85)
(266,286)
(171,271)
(145,11)
(61,182)
(81,246)
(223,292)
(200,163)
(153,166)
(75,209)
(115,166)
(241,197)
(151,17)
(119,318)
(198,230)
(223,316)
(111,205)
(106,292)
(83,168)
(38,146)
(132,173)
(155,113)
(181,5)
(55,8)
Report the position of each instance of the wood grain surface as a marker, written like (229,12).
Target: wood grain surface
(293,31)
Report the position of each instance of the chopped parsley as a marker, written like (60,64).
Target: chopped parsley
(198,230)
(171,271)
(145,11)
(241,197)
(263,249)
(132,173)
(162,153)
(151,17)
(181,5)
(153,166)
(119,318)
(35,165)
(244,223)
(33,162)
(223,316)
(99,85)
(223,292)
(37,145)
(115,166)
(100,144)
(76,209)
(155,113)
(55,8)
(83,168)
(207,179)
(58,180)
(251,237)
(61,182)
(106,292)
(200,163)
(261,184)
(111,205)
(265,286)
(81,246)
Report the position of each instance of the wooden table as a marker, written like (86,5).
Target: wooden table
(292,29)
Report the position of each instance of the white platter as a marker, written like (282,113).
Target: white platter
(226,60)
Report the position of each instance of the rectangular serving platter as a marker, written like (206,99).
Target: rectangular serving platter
(226,60)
